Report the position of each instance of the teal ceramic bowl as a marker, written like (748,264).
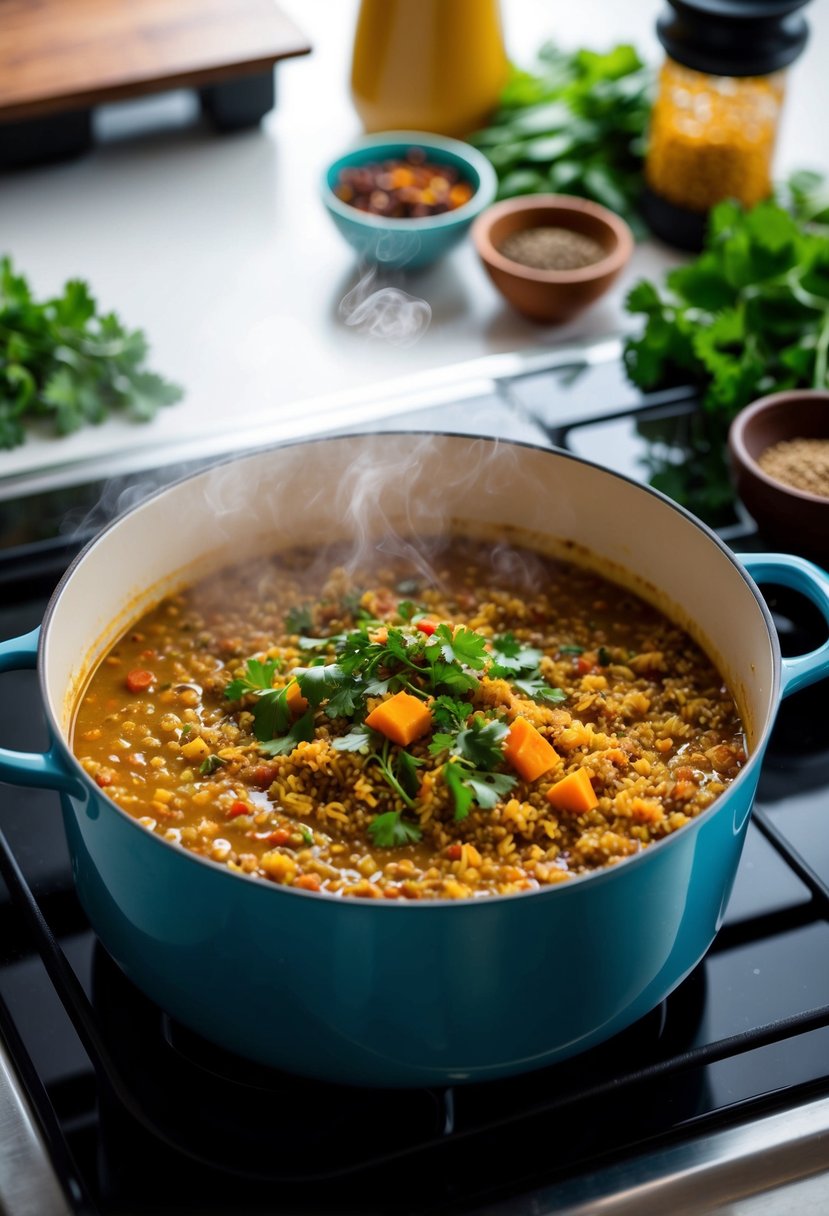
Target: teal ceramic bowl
(408,243)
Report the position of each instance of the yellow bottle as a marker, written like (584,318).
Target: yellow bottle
(428,65)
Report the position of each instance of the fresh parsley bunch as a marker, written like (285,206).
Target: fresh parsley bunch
(574,125)
(749,316)
(65,364)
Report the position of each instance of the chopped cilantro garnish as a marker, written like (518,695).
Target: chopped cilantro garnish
(302,731)
(391,830)
(520,665)
(258,675)
(210,764)
(299,619)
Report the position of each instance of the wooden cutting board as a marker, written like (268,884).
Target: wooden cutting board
(66,55)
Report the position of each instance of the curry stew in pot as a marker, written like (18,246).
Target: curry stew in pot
(499,721)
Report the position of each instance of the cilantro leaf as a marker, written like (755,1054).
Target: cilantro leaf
(391,830)
(271,714)
(302,731)
(299,619)
(481,742)
(210,764)
(449,713)
(463,795)
(258,675)
(488,788)
(470,786)
(538,689)
(574,122)
(461,645)
(358,739)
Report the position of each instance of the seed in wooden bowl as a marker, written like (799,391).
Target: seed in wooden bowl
(800,463)
(551,248)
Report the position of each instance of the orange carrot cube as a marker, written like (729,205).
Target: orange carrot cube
(573,793)
(294,699)
(402,718)
(529,753)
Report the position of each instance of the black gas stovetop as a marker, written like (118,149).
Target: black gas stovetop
(720,1091)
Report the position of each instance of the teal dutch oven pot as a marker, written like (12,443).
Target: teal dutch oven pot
(392,993)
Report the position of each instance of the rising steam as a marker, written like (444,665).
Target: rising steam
(385,313)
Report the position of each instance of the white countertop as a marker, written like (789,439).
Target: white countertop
(218,248)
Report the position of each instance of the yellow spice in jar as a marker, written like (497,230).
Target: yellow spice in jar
(712,137)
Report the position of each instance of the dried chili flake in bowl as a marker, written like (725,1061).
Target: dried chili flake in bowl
(406,187)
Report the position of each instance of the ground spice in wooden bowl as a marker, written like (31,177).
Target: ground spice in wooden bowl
(551,248)
(800,463)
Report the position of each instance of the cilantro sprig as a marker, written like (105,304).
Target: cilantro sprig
(474,751)
(749,316)
(443,667)
(521,665)
(574,123)
(67,365)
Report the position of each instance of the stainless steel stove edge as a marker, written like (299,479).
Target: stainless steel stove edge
(759,1168)
(29,1185)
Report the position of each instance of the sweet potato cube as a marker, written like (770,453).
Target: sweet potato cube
(402,718)
(573,793)
(295,701)
(529,753)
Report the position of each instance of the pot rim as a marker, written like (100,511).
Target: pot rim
(355,905)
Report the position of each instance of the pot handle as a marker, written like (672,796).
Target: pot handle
(804,576)
(46,769)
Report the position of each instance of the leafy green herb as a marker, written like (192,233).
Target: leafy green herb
(302,731)
(258,675)
(391,830)
(469,786)
(358,739)
(65,364)
(299,619)
(520,664)
(604,656)
(306,833)
(210,764)
(750,315)
(473,752)
(575,124)
(747,317)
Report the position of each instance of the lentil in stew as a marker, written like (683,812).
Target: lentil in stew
(503,724)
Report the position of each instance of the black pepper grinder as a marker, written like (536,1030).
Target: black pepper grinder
(714,121)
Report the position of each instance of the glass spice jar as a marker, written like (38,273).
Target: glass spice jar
(715,117)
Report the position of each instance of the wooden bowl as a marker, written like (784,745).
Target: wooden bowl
(551,295)
(794,519)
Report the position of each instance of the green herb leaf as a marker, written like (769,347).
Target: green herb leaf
(481,743)
(210,764)
(358,739)
(576,123)
(299,619)
(258,676)
(460,646)
(302,731)
(391,830)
